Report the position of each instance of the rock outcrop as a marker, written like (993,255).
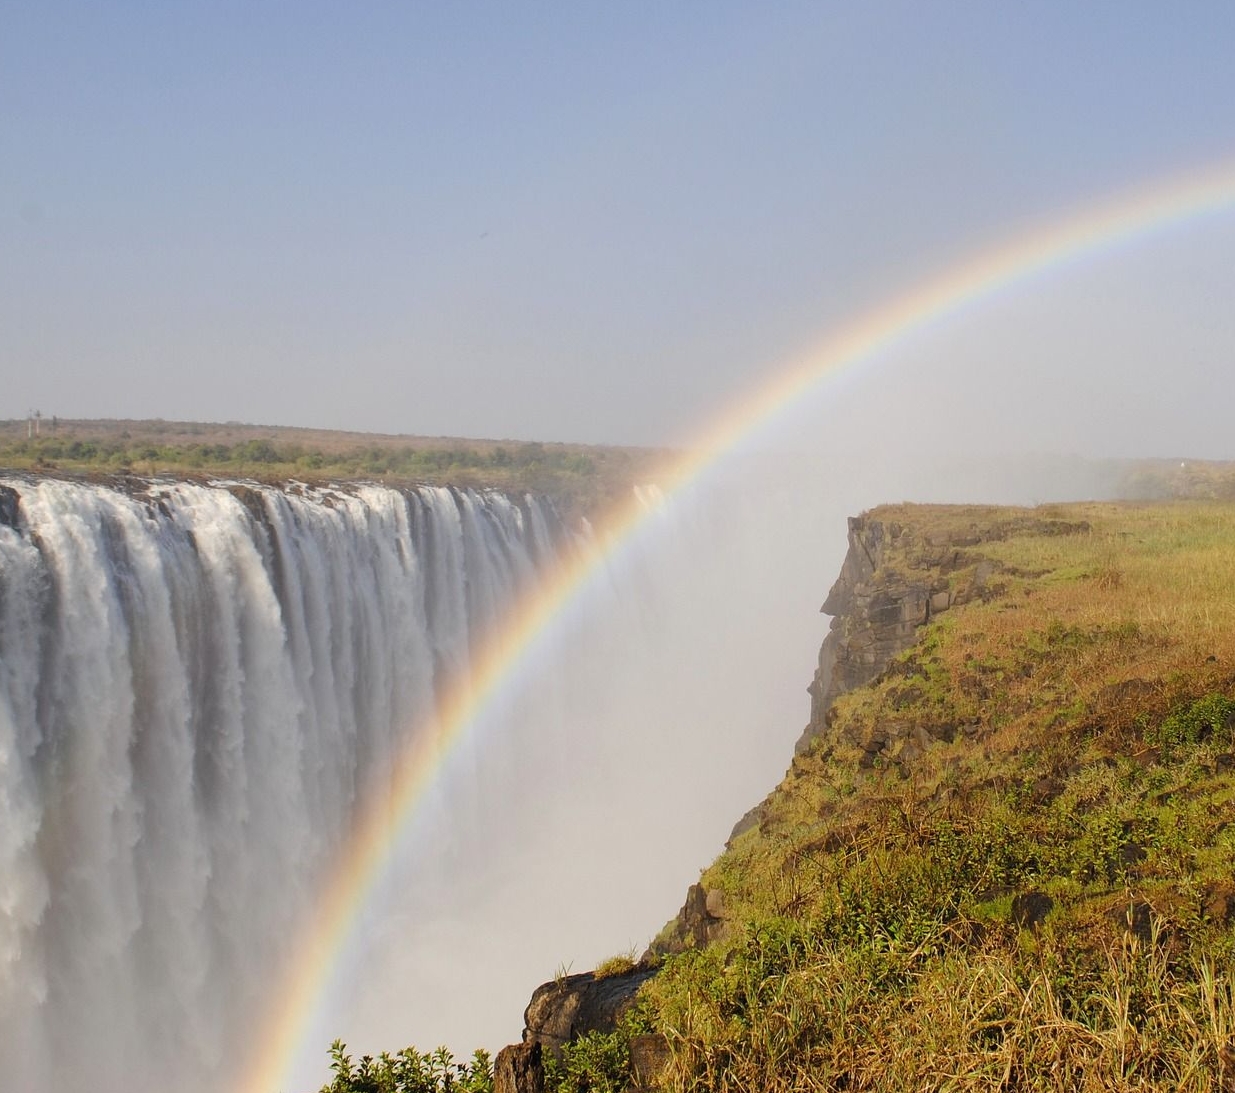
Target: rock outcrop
(10,507)
(875,615)
(894,581)
(701,919)
(902,569)
(519,1069)
(574,1005)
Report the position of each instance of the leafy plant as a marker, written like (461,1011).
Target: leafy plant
(594,1063)
(1211,716)
(409,1071)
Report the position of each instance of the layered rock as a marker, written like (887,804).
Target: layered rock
(893,581)
(876,612)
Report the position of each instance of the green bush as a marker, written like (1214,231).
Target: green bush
(409,1071)
(1210,717)
(595,1063)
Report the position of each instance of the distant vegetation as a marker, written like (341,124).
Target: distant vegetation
(266,457)
(587,475)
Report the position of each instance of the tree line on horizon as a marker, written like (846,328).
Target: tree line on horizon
(267,457)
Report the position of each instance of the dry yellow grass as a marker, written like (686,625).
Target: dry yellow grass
(872,940)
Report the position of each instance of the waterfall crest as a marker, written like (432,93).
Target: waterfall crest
(197,685)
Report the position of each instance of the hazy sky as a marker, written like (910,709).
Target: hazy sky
(589,221)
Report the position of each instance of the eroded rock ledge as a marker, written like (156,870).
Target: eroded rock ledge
(894,581)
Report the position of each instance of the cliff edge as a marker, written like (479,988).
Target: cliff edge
(1002,855)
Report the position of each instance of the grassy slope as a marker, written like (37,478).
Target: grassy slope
(872,940)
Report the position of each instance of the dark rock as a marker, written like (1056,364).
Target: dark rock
(518,1069)
(1030,908)
(1135,918)
(569,1007)
(1218,903)
(1045,790)
(1225,763)
(649,1058)
(251,499)
(909,754)
(878,739)
(1131,853)
(901,698)
(694,926)
(941,731)
(10,505)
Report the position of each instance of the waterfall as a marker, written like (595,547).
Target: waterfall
(198,683)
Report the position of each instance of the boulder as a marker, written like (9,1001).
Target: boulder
(518,1069)
(1030,908)
(10,505)
(573,1005)
(699,921)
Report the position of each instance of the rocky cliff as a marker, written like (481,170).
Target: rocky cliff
(893,581)
(898,574)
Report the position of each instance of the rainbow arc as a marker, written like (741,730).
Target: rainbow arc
(1086,234)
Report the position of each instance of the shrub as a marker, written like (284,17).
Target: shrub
(1209,717)
(409,1071)
(597,1062)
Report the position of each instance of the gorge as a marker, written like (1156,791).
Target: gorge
(159,849)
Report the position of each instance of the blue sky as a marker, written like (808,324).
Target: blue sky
(591,222)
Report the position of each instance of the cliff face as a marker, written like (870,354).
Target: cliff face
(875,613)
(893,581)
(900,572)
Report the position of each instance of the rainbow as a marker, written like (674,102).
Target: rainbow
(1090,232)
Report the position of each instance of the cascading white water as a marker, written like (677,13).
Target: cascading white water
(197,685)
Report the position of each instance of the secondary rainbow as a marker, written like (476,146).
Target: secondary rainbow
(1108,224)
